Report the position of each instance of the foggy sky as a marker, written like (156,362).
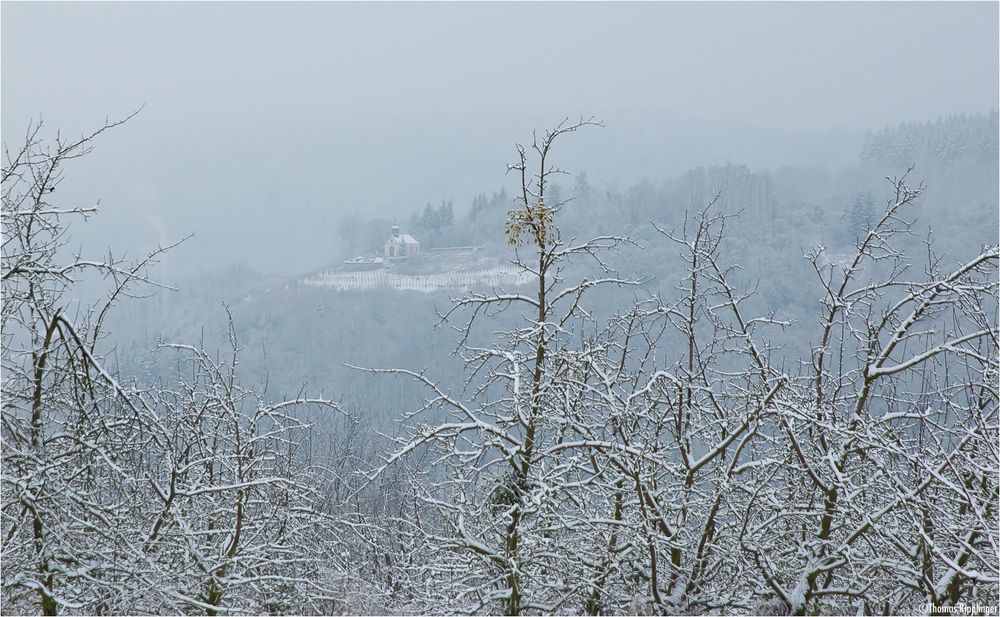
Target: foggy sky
(263,123)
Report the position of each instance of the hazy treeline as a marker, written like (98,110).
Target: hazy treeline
(301,334)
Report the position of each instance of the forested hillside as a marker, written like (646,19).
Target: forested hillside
(309,331)
(949,140)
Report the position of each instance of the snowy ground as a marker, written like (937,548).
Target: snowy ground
(500,275)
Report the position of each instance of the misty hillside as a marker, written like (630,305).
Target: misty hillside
(949,140)
(304,329)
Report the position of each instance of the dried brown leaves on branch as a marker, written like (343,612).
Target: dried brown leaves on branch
(534,222)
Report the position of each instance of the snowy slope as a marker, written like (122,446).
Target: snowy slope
(502,275)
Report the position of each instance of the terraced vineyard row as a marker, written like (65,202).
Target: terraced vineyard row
(505,275)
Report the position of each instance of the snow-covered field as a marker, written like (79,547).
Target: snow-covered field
(504,275)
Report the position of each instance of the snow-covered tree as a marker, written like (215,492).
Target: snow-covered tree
(663,457)
(183,495)
(660,461)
